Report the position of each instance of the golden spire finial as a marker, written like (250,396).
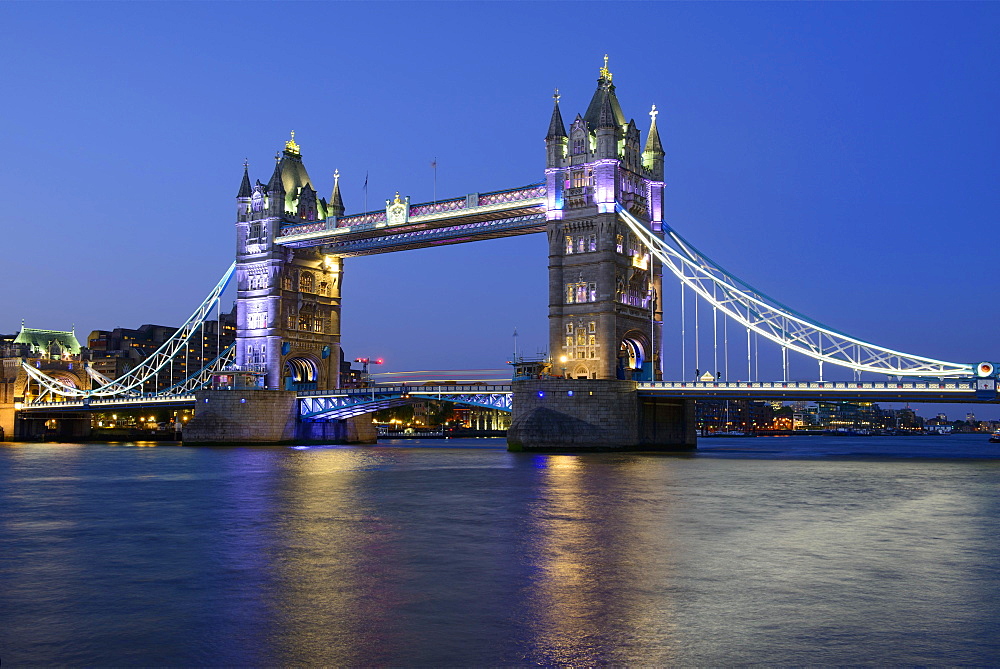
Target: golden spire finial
(397,200)
(556,96)
(336,177)
(653,113)
(605,73)
(291,146)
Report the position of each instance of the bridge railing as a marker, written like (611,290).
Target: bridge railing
(806,385)
(112,401)
(397,388)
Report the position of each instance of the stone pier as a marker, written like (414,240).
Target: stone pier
(597,415)
(257,417)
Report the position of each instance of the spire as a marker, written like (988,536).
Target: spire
(604,72)
(653,144)
(336,207)
(245,189)
(604,110)
(274,185)
(556,127)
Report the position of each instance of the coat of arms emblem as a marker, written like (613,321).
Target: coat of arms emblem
(397,211)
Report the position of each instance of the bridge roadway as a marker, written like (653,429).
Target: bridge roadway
(345,403)
(474,217)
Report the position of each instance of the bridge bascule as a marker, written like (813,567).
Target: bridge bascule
(601,206)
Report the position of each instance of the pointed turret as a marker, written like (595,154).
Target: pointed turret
(336,206)
(556,127)
(276,190)
(556,139)
(245,189)
(652,155)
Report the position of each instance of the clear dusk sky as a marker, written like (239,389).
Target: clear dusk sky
(842,157)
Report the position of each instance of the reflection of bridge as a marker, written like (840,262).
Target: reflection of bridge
(602,208)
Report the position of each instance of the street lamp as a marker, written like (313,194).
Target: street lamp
(563,359)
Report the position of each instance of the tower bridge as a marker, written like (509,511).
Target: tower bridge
(601,206)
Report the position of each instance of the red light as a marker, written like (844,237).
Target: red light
(379,361)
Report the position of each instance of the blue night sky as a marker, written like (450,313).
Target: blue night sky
(841,157)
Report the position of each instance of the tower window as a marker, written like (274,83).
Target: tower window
(569,245)
(569,328)
(592,243)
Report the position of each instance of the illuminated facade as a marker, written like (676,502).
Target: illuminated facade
(605,311)
(288,300)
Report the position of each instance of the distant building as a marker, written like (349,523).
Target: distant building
(740,415)
(115,352)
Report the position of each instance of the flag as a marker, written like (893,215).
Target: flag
(366,181)
(434,163)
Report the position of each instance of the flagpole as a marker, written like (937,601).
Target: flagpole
(366,192)
(435,166)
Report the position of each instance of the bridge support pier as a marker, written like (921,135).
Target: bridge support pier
(597,415)
(258,417)
(55,426)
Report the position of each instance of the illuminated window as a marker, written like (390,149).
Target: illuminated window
(592,243)
(581,339)
(570,292)
(592,290)
(581,292)
(569,342)
(580,245)
(579,145)
(569,328)
(569,245)
(579,178)
(306,282)
(592,326)
(619,243)
(592,340)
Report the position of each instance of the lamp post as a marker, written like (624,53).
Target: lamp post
(562,359)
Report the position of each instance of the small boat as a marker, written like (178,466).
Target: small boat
(995,438)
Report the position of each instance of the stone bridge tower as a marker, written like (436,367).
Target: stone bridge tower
(288,300)
(605,304)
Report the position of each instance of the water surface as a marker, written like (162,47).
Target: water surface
(799,550)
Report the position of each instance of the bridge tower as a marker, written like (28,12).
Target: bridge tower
(605,304)
(288,300)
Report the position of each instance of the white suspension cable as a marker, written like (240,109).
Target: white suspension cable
(133,381)
(776,322)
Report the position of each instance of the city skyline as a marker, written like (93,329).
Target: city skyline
(846,169)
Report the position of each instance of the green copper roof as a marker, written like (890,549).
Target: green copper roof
(44,340)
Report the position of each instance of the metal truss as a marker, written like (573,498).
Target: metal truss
(337,405)
(776,322)
(132,382)
(411,239)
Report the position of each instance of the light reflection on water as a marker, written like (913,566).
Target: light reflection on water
(754,551)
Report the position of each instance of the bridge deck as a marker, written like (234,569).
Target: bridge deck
(474,217)
(908,391)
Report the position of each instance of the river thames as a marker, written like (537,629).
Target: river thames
(791,551)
